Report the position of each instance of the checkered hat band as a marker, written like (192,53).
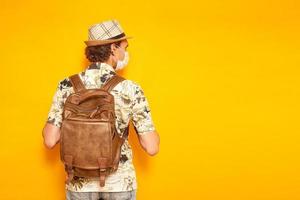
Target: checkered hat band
(118,36)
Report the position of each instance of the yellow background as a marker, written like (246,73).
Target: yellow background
(221,77)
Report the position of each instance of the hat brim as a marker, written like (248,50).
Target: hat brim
(102,42)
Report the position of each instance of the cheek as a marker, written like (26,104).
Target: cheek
(122,56)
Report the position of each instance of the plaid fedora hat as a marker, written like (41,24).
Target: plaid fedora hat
(105,32)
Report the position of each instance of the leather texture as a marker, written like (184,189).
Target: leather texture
(90,144)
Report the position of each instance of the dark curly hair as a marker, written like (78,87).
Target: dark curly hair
(99,53)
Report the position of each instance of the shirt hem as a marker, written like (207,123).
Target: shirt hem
(100,190)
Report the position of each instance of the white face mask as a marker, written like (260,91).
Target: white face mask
(122,63)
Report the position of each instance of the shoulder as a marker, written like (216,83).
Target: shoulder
(130,84)
(64,83)
(130,87)
(64,87)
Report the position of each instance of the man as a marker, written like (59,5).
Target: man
(106,50)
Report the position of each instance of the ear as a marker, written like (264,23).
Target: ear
(113,46)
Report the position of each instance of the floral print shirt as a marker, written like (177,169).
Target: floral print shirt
(130,104)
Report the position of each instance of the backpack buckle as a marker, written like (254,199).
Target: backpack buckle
(102,170)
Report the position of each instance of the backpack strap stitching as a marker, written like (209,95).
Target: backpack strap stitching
(112,82)
(77,83)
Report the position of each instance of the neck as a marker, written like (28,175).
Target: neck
(111,62)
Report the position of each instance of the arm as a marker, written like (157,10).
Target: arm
(150,142)
(143,123)
(51,130)
(51,135)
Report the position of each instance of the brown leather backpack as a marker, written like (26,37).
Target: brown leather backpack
(90,145)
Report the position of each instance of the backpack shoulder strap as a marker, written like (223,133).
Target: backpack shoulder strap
(77,83)
(112,82)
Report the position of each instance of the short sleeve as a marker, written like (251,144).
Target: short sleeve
(141,115)
(56,108)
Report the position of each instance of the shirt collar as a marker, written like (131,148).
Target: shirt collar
(101,65)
